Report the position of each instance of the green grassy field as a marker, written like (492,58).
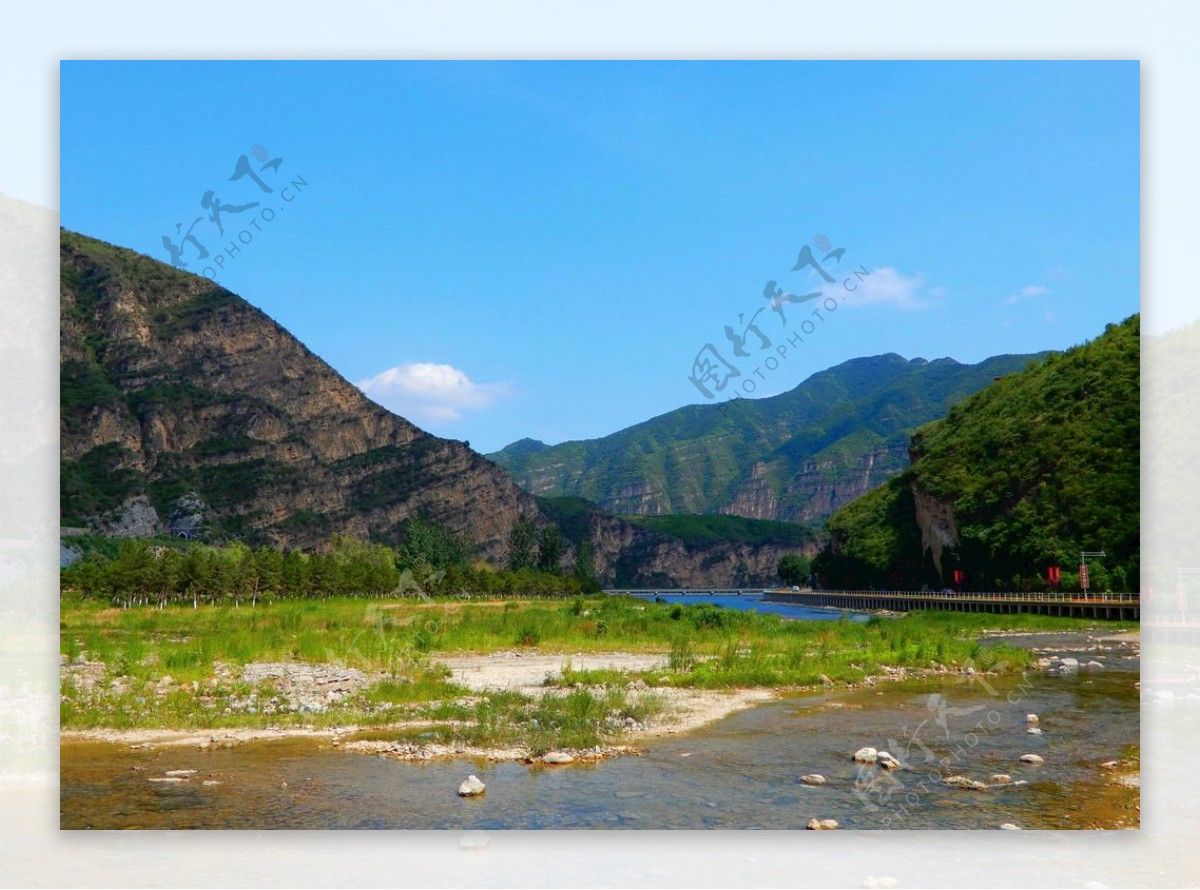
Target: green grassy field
(180,667)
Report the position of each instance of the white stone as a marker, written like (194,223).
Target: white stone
(1031,718)
(557,757)
(1000,778)
(1008,826)
(180,772)
(1032,758)
(865,755)
(887,761)
(964,783)
(812,779)
(471,787)
(821,824)
(1034,730)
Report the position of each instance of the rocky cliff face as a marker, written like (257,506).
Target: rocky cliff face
(937,523)
(180,399)
(636,557)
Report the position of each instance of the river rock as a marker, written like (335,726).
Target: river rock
(999,779)
(180,772)
(1008,826)
(825,681)
(471,787)
(1110,764)
(1093,664)
(821,824)
(1032,758)
(812,779)
(865,755)
(557,757)
(1034,730)
(168,780)
(210,782)
(964,783)
(886,760)
(1068,663)
(1031,719)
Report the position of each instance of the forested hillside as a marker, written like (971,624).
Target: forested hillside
(1026,474)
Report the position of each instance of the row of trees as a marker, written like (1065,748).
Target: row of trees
(429,560)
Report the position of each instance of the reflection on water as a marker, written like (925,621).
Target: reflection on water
(739,773)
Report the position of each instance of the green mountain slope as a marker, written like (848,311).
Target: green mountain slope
(796,457)
(1023,475)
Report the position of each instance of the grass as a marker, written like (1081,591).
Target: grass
(703,646)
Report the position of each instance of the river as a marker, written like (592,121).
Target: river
(742,772)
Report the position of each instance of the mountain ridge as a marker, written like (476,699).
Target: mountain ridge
(795,456)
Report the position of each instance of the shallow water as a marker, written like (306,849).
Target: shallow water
(739,773)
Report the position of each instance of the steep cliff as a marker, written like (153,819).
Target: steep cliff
(183,406)
(680,551)
(798,456)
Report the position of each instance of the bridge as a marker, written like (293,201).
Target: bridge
(1112,606)
(688,591)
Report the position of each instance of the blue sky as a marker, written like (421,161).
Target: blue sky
(499,250)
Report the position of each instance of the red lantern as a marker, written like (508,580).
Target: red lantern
(1054,573)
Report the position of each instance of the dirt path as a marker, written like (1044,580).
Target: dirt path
(528,673)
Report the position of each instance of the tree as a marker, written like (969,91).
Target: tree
(585,567)
(434,543)
(521,542)
(794,569)
(550,549)
(269,566)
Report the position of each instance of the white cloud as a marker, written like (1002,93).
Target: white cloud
(426,392)
(885,285)
(1025,293)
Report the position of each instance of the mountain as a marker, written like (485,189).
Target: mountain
(1024,475)
(796,457)
(183,406)
(185,410)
